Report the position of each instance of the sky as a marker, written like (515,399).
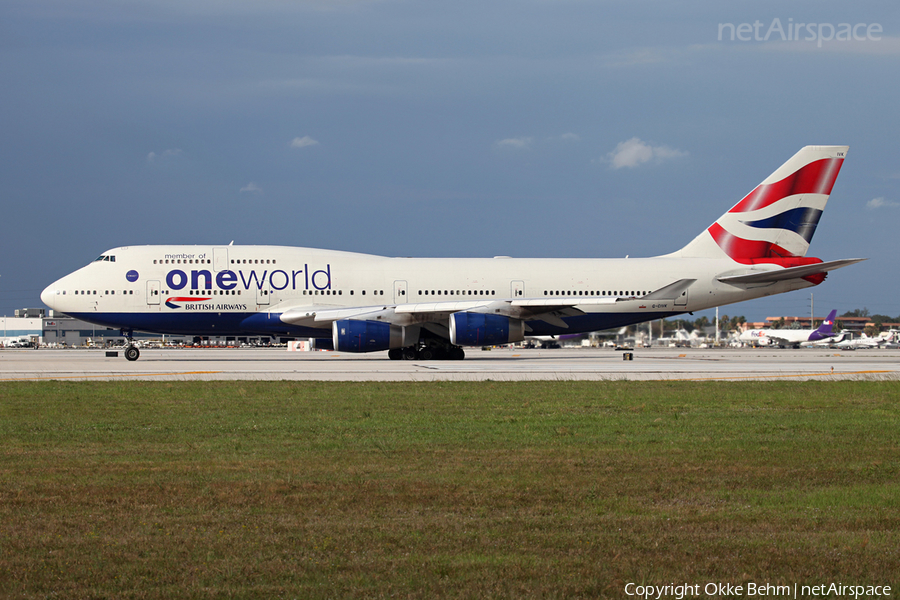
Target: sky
(529,128)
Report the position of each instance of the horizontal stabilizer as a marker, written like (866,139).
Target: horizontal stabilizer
(790,272)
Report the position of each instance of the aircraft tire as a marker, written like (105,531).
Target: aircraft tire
(395,354)
(457,353)
(426,353)
(410,353)
(132,353)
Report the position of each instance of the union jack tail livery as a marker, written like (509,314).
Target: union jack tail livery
(774,223)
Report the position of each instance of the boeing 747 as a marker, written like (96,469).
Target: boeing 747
(426,308)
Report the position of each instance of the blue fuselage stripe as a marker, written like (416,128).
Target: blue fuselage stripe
(252,323)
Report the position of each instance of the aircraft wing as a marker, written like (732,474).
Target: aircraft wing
(550,310)
(322,316)
(774,275)
(424,312)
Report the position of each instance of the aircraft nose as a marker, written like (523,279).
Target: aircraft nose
(48,296)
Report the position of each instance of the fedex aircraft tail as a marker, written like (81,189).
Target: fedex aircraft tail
(776,221)
(825,330)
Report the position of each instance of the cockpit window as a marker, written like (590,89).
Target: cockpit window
(106,258)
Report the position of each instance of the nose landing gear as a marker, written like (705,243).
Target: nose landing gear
(131,351)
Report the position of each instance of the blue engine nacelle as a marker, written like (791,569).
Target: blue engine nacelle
(478,329)
(350,335)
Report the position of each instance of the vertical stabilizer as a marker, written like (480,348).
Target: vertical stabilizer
(826,329)
(778,218)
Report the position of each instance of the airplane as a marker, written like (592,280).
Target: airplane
(865,341)
(791,337)
(430,308)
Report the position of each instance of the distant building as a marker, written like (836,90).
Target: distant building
(19,329)
(36,326)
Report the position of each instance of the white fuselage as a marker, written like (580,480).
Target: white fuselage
(207,289)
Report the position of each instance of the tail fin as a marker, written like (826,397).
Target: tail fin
(778,218)
(826,328)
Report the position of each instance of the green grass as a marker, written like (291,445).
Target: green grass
(465,490)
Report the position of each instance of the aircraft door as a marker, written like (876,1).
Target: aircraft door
(264,293)
(517,289)
(152,292)
(220,259)
(681,301)
(400,296)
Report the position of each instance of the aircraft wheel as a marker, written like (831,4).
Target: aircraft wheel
(457,353)
(395,354)
(132,353)
(410,353)
(426,353)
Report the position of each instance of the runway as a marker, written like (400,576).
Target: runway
(276,364)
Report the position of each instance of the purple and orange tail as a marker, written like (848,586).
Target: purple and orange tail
(776,221)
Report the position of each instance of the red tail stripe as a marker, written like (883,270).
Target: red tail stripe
(815,178)
(739,248)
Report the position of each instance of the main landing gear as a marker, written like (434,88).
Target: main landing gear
(430,350)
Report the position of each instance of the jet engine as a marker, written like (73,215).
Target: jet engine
(355,335)
(478,329)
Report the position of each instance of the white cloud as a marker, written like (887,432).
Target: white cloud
(568,137)
(302,142)
(634,152)
(519,143)
(636,57)
(171,152)
(251,188)
(880,202)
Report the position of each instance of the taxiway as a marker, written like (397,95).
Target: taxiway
(497,364)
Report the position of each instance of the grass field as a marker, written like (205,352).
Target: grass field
(449,490)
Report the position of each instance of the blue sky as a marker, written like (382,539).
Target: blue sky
(564,128)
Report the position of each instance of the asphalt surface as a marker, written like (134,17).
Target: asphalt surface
(275,364)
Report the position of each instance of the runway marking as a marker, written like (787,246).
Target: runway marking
(112,375)
(776,376)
